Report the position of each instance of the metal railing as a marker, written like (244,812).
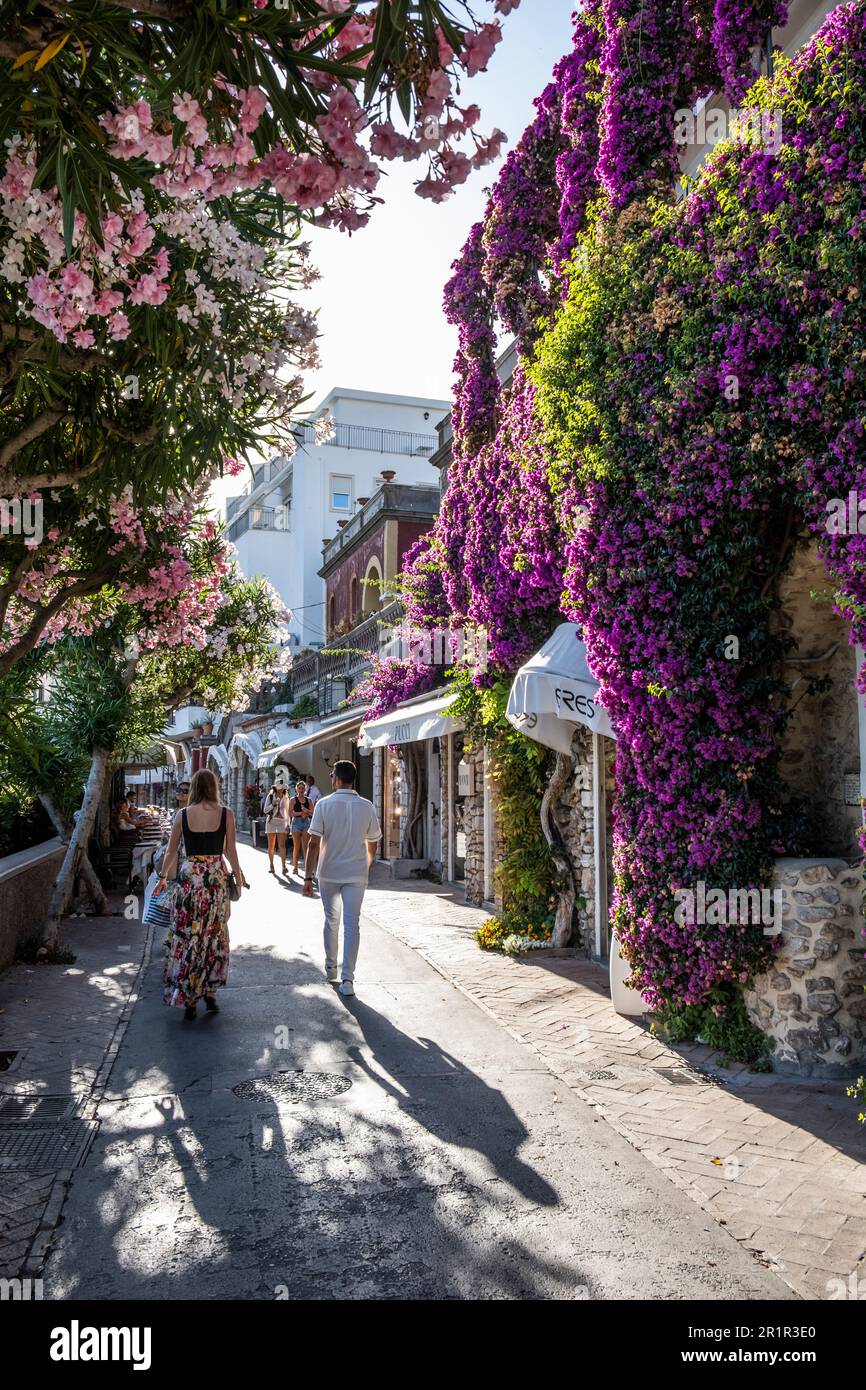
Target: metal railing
(330,675)
(373,438)
(393,497)
(262,519)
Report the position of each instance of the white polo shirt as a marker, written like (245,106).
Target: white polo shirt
(345,821)
(313,793)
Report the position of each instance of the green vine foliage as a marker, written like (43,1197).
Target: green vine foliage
(526,874)
(724,1025)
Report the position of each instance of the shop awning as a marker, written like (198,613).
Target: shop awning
(220,755)
(411,723)
(335,729)
(249,743)
(555,691)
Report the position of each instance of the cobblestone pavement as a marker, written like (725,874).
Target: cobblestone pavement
(400,1144)
(65,1024)
(778,1163)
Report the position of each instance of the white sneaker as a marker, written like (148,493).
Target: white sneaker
(332,974)
(347,987)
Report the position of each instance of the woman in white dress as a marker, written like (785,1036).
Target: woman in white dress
(276,810)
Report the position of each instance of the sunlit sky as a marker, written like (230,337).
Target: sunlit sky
(379,298)
(380,295)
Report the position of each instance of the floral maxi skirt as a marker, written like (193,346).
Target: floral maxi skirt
(197,946)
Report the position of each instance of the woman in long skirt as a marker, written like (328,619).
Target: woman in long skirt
(197,945)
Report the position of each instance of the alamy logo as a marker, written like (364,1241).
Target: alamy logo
(716,907)
(21,516)
(846,516)
(20,1290)
(435,646)
(77,1343)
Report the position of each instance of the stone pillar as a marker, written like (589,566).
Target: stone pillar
(813,998)
(474,814)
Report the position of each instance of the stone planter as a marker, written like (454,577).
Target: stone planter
(813,998)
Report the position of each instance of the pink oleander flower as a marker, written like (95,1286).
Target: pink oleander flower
(478,47)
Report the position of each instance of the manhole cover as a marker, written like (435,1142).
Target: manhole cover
(31,1148)
(36,1109)
(293,1086)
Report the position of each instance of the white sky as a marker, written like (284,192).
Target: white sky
(379,298)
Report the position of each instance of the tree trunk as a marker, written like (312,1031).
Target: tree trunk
(64,884)
(416,801)
(564,923)
(55,817)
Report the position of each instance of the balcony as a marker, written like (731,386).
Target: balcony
(262,519)
(374,439)
(330,675)
(393,499)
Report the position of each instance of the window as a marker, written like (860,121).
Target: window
(341,493)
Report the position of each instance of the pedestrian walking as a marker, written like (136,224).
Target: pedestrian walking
(197,945)
(312,790)
(343,836)
(276,809)
(302,814)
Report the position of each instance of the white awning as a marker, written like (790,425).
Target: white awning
(335,729)
(249,743)
(220,755)
(411,723)
(555,691)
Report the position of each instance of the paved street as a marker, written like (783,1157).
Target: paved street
(455,1165)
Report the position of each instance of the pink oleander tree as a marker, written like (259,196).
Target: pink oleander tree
(145,224)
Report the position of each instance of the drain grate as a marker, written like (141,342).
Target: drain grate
(36,1109)
(603,1076)
(688,1076)
(43,1147)
(293,1086)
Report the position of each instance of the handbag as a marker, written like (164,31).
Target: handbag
(160,910)
(234,890)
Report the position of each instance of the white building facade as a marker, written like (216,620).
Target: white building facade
(291,506)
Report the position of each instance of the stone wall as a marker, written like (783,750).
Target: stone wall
(26,880)
(812,1000)
(820,747)
(573,816)
(474,822)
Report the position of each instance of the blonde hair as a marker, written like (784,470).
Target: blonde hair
(204,787)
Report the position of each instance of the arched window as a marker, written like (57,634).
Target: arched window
(353,598)
(332,614)
(372,595)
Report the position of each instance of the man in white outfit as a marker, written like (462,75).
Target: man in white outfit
(344,833)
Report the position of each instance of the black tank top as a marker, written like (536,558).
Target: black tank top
(204,841)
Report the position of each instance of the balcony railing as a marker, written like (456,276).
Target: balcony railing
(413,501)
(262,519)
(374,439)
(330,675)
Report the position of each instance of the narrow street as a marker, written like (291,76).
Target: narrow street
(453,1165)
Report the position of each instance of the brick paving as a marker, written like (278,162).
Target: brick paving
(780,1163)
(66,1023)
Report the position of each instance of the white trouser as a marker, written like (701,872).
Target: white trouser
(347,897)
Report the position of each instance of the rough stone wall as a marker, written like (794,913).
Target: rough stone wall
(813,999)
(474,820)
(821,742)
(573,816)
